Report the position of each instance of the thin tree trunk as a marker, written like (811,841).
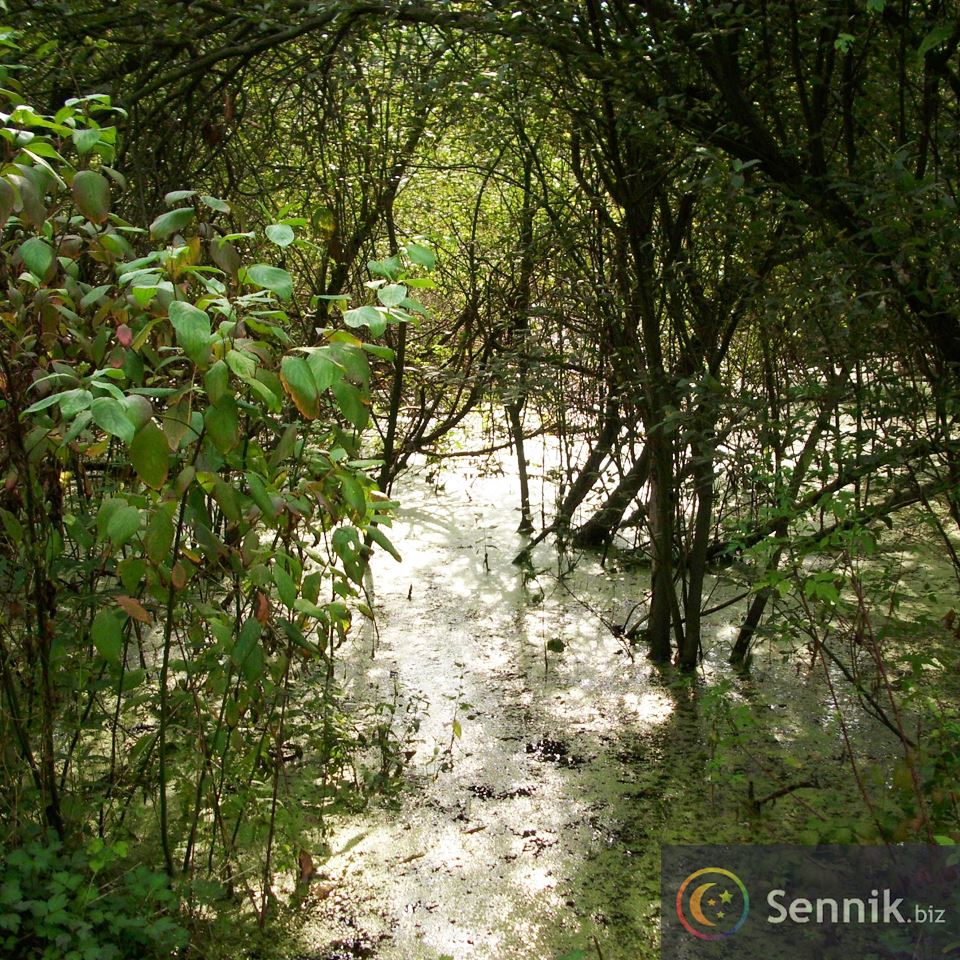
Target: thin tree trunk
(598,531)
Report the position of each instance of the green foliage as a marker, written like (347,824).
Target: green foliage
(187,523)
(85,904)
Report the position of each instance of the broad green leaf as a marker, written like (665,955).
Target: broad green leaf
(221,206)
(298,381)
(324,370)
(107,634)
(352,492)
(421,255)
(273,279)
(73,401)
(286,588)
(385,268)
(224,254)
(168,224)
(132,570)
(222,424)
(158,538)
(351,404)
(260,496)
(216,381)
(8,199)
(384,353)
(242,364)
(379,537)
(91,194)
(123,524)
(249,635)
(193,330)
(933,39)
(37,256)
(178,196)
(93,296)
(366,316)
(150,456)
(138,409)
(351,358)
(273,402)
(110,415)
(42,404)
(280,233)
(392,295)
(86,139)
(176,422)
(33,210)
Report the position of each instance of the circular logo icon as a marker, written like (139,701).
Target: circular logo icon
(712,904)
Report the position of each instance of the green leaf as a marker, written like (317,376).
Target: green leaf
(178,196)
(260,496)
(138,410)
(193,330)
(73,401)
(8,200)
(350,402)
(366,316)
(421,255)
(107,634)
(324,370)
(221,206)
(298,381)
(123,524)
(131,570)
(158,538)
(556,645)
(149,455)
(249,635)
(111,415)
(242,364)
(91,194)
(93,296)
(222,424)
(86,139)
(352,492)
(280,233)
(376,350)
(933,39)
(271,278)
(380,538)
(286,588)
(271,399)
(43,404)
(384,268)
(177,421)
(392,295)
(216,381)
(37,256)
(169,223)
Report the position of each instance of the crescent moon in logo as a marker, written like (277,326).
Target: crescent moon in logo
(696,909)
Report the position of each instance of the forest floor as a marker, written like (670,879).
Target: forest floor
(544,782)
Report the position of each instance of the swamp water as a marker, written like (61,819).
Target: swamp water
(544,782)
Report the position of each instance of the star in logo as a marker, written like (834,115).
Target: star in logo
(726,896)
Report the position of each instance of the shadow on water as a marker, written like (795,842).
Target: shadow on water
(535,831)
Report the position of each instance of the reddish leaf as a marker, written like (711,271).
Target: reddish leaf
(133,608)
(262,613)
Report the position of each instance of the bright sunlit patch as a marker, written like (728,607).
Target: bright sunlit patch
(649,707)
